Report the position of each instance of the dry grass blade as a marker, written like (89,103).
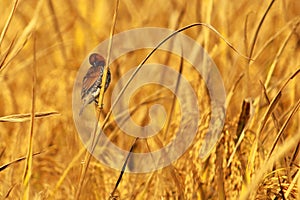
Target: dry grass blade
(276,123)
(295,154)
(8,21)
(171,169)
(274,102)
(66,171)
(243,124)
(123,170)
(104,78)
(9,191)
(293,184)
(259,28)
(158,142)
(66,30)
(271,39)
(4,57)
(279,53)
(232,90)
(27,117)
(290,143)
(281,188)
(213,137)
(204,151)
(262,124)
(3,167)
(244,116)
(100,100)
(150,98)
(270,109)
(155,49)
(251,50)
(161,43)
(298,189)
(22,40)
(207,16)
(220,172)
(169,120)
(57,29)
(2,152)
(240,139)
(290,78)
(246,33)
(283,128)
(142,194)
(28,164)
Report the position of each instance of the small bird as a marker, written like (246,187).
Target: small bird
(92,81)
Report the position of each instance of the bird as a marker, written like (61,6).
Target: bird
(92,80)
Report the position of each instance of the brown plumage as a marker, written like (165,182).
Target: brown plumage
(92,81)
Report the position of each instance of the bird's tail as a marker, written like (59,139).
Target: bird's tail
(81,110)
(86,101)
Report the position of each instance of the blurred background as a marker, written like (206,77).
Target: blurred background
(54,37)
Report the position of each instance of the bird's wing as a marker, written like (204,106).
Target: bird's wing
(89,79)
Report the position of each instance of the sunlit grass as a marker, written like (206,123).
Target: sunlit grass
(264,165)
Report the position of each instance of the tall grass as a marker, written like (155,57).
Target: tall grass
(41,154)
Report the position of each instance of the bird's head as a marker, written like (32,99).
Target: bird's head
(96,60)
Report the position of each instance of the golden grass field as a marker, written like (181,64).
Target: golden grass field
(42,45)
